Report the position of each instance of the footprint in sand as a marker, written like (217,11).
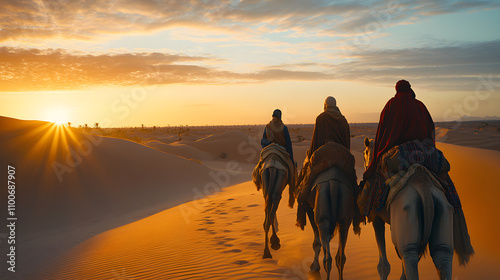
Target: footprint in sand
(253,205)
(223,243)
(252,231)
(207,220)
(237,209)
(230,199)
(241,262)
(207,210)
(232,251)
(244,218)
(252,244)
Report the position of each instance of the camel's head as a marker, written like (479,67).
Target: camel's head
(368,154)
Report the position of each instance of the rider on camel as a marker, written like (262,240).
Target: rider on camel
(330,125)
(330,147)
(277,132)
(403,119)
(406,123)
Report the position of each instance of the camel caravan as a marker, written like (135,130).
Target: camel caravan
(405,184)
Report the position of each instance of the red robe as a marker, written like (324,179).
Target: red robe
(404,118)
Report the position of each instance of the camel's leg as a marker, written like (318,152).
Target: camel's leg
(267,179)
(325,221)
(403,274)
(383,267)
(344,203)
(279,186)
(406,228)
(340,257)
(441,239)
(317,242)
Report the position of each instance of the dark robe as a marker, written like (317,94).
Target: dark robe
(330,125)
(404,118)
(277,132)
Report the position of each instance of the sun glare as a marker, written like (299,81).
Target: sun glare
(57,116)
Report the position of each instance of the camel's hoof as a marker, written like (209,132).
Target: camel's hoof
(275,242)
(384,270)
(314,275)
(267,255)
(314,267)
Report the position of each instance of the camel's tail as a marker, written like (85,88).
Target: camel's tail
(334,200)
(423,190)
(461,238)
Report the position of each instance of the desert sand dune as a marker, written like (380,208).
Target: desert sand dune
(107,218)
(181,150)
(103,183)
(231,145)
(226,146)
(468,139)
(221,237)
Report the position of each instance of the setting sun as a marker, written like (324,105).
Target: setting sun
(57,115)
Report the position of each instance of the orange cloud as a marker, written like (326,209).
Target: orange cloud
(37,70)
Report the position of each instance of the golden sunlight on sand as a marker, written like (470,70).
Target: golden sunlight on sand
(128,211)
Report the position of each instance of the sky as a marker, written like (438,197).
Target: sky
(231,62)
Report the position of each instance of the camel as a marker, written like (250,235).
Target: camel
(333,209)
(273,172)
(368,153)
(419,215)
(274,181)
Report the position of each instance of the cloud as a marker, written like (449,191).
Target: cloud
(38,70)
(33,69)
(281,74)
(443,68)
(446,68)
(92,19)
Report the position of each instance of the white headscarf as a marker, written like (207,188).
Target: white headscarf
(330,102)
